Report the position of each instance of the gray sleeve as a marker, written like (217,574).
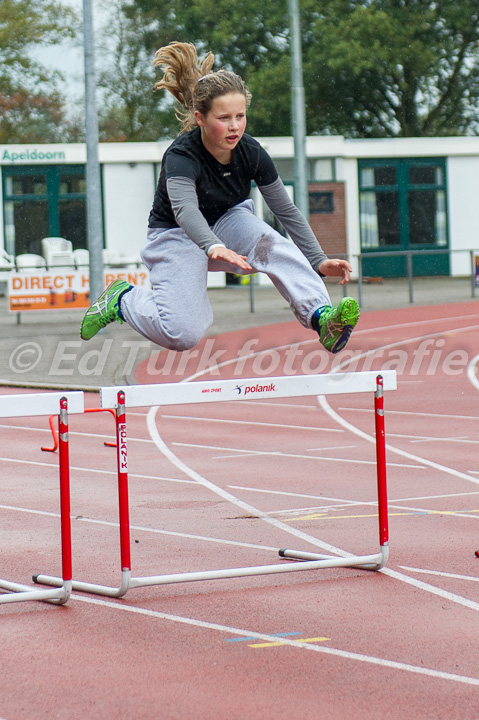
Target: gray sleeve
(293,222)
(184,203)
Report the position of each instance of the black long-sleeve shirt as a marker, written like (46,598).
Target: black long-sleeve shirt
(194,190)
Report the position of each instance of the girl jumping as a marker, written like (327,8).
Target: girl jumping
(203,219)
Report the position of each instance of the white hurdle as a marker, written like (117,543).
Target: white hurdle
(33,405)
(242,390)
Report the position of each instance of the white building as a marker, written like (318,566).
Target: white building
(366,196)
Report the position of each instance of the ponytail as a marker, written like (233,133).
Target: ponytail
(182,74)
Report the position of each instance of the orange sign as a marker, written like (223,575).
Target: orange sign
(63,289)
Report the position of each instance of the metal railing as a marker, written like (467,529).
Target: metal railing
(409,254)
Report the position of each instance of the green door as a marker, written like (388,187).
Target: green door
(43,201)
(403,207)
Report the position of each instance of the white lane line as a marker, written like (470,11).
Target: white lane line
(468,418)
(342,503)
(390,448)
(244,451)
(474,514)
(350,502)
(154,434)
(30,512)
(247,422)
(471,578)
(416,323)
(93,470)
(427,438)
(110,437)
(165,450)
(452,597)
(232,361)
(366,331)
(237,455)
(168,453)
(139,528)
(378,352)
(241,632)
(331,447)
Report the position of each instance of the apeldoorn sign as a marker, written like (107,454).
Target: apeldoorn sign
(32,155)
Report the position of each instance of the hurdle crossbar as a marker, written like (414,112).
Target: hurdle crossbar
(233,390)
(36,404)
(237,390)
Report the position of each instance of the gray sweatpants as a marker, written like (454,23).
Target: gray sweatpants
(176,313)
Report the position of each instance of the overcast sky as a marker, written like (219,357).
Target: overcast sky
(68,57)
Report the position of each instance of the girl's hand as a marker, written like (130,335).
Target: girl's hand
(229,256)
(336,268)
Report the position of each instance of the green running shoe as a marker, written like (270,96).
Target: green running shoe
(105,310)
(334,325)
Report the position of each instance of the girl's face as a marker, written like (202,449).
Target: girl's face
(223,126)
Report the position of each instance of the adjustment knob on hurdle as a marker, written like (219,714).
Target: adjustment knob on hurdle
(476,553)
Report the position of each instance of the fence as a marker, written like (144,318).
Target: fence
(408,254)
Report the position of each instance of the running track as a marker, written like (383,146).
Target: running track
(335,643)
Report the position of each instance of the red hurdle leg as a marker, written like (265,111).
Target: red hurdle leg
(64,463)
(122,465)
(86,410)
(54,435)
(381,462)
(122,461)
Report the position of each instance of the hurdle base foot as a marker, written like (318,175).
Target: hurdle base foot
(364,562)
(16,592)
(89,587)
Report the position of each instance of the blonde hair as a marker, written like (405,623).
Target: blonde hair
(192,82)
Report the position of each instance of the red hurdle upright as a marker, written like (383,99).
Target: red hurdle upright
(29,405)
(227,390)
(124,514)
(381,464)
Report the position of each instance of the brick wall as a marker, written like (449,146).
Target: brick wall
(329,227)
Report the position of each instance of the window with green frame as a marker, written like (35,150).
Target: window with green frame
(403,207)
(403,203)
(43,201)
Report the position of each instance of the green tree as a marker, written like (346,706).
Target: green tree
(372,68)
(129,109)
(393,68)
(34,117)
(31,105)
(250,38)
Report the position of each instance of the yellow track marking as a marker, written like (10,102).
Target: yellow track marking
(275,644)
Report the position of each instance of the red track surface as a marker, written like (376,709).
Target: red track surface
(399,643)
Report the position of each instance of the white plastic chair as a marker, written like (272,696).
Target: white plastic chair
(81,258)
(7,262)
(58,252)
(7,265)
(56,244)
(29,262)
(113,258)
